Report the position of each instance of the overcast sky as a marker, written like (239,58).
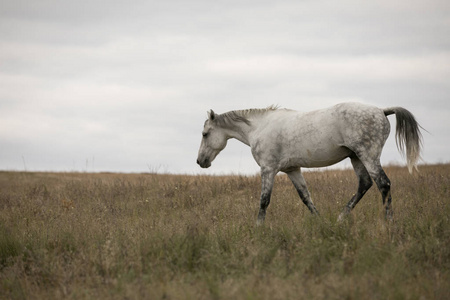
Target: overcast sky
(124,86)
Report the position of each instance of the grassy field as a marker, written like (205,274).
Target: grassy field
(149,236)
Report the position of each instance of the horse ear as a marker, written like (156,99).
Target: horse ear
(211,115)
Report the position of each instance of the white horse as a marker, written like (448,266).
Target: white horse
(287,140)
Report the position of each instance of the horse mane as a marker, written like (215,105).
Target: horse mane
(242,115)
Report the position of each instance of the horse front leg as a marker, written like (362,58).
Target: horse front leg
(267,178)
(300,185)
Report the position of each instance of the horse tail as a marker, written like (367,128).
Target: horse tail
(408,136)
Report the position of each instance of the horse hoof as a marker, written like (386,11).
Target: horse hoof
(341,217)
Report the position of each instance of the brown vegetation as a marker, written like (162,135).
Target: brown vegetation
(149,236)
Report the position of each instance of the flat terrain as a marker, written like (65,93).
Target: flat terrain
(150,236)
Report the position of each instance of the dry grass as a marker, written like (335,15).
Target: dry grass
(117,236)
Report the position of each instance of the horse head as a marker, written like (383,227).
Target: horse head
(214,140)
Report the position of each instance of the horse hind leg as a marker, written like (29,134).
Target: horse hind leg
(364,184)
(300,185)
(383,183)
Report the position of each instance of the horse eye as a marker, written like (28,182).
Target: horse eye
(205,134)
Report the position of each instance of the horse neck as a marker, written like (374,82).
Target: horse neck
(242,131)
(239,131)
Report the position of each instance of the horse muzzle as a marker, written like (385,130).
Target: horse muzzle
(204,163)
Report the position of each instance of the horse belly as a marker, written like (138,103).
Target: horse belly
(322,149)
(324,157)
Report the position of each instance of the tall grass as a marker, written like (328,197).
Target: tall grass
(116,236)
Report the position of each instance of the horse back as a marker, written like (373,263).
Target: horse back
(320,138)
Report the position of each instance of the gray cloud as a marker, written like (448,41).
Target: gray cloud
(126,85)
